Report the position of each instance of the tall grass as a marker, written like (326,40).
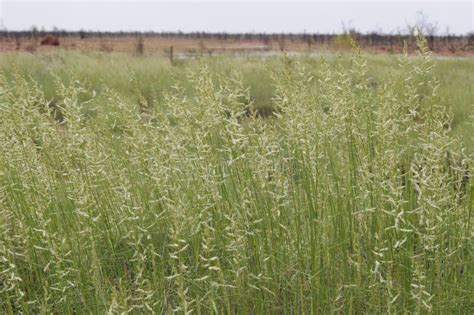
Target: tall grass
(350,199)
(155,75)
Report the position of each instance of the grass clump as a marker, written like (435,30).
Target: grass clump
(350,199)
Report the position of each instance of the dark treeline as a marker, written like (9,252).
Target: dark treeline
(367,39)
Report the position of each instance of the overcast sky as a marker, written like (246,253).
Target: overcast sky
(236,16)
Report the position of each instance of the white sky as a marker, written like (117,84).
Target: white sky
(236,16)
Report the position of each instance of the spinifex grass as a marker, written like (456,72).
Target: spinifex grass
(350,199)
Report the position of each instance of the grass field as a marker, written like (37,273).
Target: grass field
(282,185)
(156,75)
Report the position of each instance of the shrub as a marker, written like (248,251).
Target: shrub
(50,40)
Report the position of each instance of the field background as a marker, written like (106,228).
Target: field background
(156,74)
(196,45)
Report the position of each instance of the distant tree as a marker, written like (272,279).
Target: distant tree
(470,39)
(17,41)
(140,45)
(33,32)
(281,42)
(424,25)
